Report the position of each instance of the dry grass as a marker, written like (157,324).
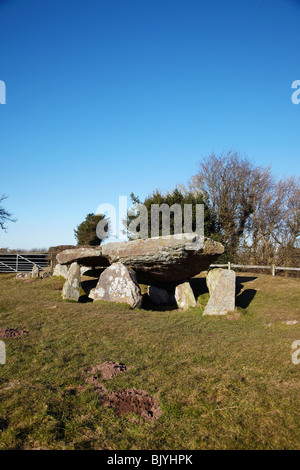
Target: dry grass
(223,383)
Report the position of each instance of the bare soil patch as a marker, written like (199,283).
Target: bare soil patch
(12,333)
(122,401)
(136,401)
(108,369)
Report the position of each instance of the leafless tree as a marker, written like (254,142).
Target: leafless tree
(5,216)
(258,216)
(234,187)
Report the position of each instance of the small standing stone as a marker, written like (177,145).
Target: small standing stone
(35,271)
(184,296)
(72,286)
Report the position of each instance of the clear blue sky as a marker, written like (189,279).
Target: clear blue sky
(106,97)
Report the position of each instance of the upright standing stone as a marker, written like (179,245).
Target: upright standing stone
(221,285)
(72,286)
(212,277)
(35,271)
(118,283)
(184,296)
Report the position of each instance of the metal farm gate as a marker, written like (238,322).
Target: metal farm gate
(23,262)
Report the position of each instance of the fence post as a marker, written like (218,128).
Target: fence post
(17,263)
(273,269)
(229,265)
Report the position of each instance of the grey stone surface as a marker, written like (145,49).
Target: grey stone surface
(35,271)
(72,286)
(154,260)
(211,278)
(118,283)
(222,293)
(46,272)
(184,296)
(23,275)
(84,269)
(91,294)
(61,270)
(158,295)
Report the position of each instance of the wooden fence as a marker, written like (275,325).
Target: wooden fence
(272,268)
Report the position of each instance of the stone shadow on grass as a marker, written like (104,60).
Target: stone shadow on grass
(245,298)
(84,299)
(240,280)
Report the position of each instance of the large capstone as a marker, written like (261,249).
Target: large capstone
(221,285)
(118,283)
(154,260)
(72,286)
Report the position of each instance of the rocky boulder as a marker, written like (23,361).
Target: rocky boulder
(23,275)
(46,272)
(212,277)
(35,271)
(118,283)
(61,270)
(221,285)
(85,255)
(158,295)
(184,296)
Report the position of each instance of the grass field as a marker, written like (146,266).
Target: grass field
(222,383)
